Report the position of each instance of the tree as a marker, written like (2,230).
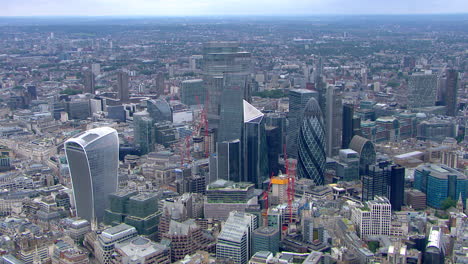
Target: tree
(448,202)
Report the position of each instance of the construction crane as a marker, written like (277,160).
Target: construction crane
(265,199)
(290,172)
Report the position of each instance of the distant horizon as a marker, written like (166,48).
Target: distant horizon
(203,8)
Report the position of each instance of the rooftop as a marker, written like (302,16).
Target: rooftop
(90,136)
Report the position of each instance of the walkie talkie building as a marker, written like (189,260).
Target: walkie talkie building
(93,159)
(311,144)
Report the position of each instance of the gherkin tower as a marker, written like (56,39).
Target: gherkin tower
(311,144)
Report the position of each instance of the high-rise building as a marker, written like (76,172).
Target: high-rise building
(122,87)
(367,154)
(440,182)
(231,108)
(375,183)
(221,59)
(422,90)
(89,82)
(451,90)
(348,131)
(311,144)
(374,219)
(143,131)
(193,92)
(347,167)
(397,187)
(96,69)
(435,250)
(228,161)
(93,159)
(298,100)
(159,86)
(255,150)
(333,121)
(104,245)
(234,241)
(159,110)
(265,238)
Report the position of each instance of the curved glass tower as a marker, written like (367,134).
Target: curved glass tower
(311,144)
(93,159)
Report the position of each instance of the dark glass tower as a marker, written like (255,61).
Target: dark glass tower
(230,127)
(255,151)
(397,187)
(311,144)
(348,113)
(122,87)
(451,92)
(89,82)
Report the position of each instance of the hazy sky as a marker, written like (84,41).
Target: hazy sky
(226,7)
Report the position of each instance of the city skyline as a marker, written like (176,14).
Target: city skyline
(242,7)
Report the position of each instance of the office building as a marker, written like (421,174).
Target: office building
(435,249)
(347,167)
(373,219)
(104,245)
(234,241)
(375,182)
(254,145)
(422,90)
(89,82)
(298,99)
(311,144)
(223,197)
(366,150)
(96,69)
(231,108)
(397,187)
(347,132)
(451,91)
(122,87)
(416,199)
(159,110)
(143,132)
(265,238)
(193,92)
(226,164)
(164,133)
(141,250)
(158,86)
(93,159)
(334,121)
(221,59)
(440,182)
(436,129)
(78,109)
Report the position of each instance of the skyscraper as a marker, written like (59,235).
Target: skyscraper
(122,87)
(348,114)
(397,187)
(93,159)
(230,124)
(234,241)
(221,59)
(89,82)
(254,146)
(422,90)
(143,131)
(228,161)
(334,121)
(298,99)
(159,110)
(311,144)
(451,89)
(375,183)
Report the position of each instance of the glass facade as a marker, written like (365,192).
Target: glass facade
(440,182)
(143,132)
(311,144)
(229,161)
(93,159)
(159,110)
(191,89)
(422,90)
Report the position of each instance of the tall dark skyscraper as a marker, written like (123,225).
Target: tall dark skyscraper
(93,158)
(122,87)
(334,121)
(451,89)
(311,144)
(255,151)
(397,187)
(230,124)
(375,183)
(298,99)
(347,132)
(89,82)
(228,161)
(219,60)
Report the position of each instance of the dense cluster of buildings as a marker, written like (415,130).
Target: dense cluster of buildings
(182,148)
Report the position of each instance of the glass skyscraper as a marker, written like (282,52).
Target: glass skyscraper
(311,144)
(254,146)
(93,159)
